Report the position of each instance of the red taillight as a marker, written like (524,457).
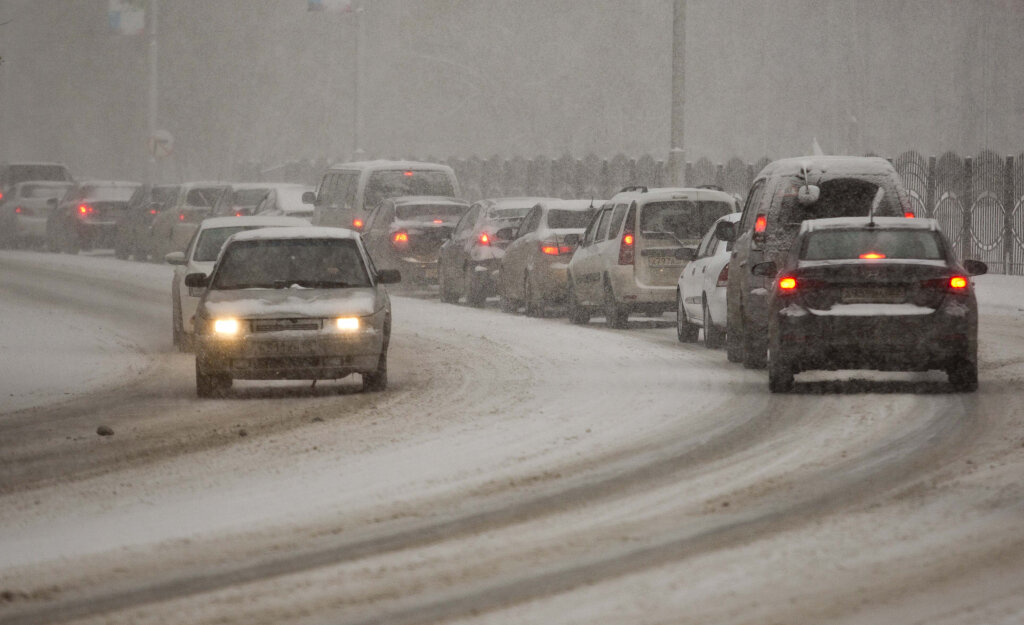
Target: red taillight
(958,282)
(17,209)
(760,224)
(408,174)
(400,239)
(484,239)
(438,221)
(357,223)
(153,211)
(552,249)
(238,214)
(909,215)
(627,239)
(85,209)
(723,276)
(181,216)
(626,252)
(787,284)
(872,255)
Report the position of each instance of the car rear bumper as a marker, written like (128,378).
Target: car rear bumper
(628,291)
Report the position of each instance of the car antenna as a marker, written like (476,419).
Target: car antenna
(591,200)
(879,194)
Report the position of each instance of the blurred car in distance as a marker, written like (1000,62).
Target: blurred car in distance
(25,210)
(534,268)
(406,233)
(349,191)
(199,257)
(86,216)
(701,290)
(292,303)
(174,226)
(469,261)
(883,293)
(13,173)
(244,198)
(134,230)
(285,200)
(785,193)
(632,253)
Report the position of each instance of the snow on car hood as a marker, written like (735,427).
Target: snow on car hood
(291,302)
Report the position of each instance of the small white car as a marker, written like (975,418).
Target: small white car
(199,257)
(292,304)
(700,291)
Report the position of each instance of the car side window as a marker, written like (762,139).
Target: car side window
(708,244)
(602,226)
(753,204)
(618,214)
(588,234)
(530,222)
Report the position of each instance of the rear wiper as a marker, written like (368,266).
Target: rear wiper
(669,234)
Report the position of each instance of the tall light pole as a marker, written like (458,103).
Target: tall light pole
(357,151)
(151,174)
(677,153)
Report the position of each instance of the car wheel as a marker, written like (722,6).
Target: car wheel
(377,381)
(780,373)
(733,345)
(121,250)
(615,316)
(686,332)
(963,375)
(578,315)
(713,335)
(448,294)
(534,304)
(475,296)
(211,384)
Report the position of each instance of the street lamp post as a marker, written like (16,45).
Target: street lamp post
(677,153)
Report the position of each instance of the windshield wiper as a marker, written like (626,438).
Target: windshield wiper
(669,234)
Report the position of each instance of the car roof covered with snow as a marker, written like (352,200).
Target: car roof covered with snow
(661,194)
(256,220)
(571,205)
(386,164)
(428,199)
(827,165)
(849,223)
(298,232)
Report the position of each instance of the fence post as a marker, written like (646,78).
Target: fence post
(968,205)
(1009,241)
(929,189)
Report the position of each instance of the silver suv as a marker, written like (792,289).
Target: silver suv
(784,194)
(630,256)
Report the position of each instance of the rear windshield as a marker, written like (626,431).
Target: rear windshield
(393,183)
(507,213)
(164,195)
(841,197)
(681,219)
(21,173)
(428,211)
(850,244)
(287,263)
(108,194)
(212,239)
(42,191)
(247,198)
(558,218)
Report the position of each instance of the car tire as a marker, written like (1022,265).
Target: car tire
(714,338)
(121,250)
(615,316)
(733,345)
(211,384)
(474,291)
(578,314)
(448,294)
(686,332)
(780,373)
(963,375)
(534,304)
(377,380)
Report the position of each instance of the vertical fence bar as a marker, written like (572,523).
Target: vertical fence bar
(929,193)
(968,208)
(1009,241)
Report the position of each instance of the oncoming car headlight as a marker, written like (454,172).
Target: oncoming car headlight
(347,324)
(226,327)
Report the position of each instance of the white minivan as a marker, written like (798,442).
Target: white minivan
(349,191)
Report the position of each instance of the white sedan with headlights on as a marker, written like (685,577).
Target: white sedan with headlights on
(292,304)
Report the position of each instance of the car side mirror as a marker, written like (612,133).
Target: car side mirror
(197,280)
(765,269)
(309,197)
(572,240)
(686,253)
(975,267)
(505,234)
(176,258)
(388,276)
(725,231)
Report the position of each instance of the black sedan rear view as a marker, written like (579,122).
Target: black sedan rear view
(884,293)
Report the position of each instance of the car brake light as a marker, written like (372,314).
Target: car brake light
(626,251)
(400,239)
(760,224)
(153,211)
(553,249)
(408,174)
(238,214)
(787,284)
(484,239)
(909,215)
(17,209)
(723,276)
(958,282)
(872,255)
(357,223)
(85,209)
(181,216)
(438,221)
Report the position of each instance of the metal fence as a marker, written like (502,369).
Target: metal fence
(977,200)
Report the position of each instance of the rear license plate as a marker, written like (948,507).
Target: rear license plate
(872,295)
(664,261)
(430,273)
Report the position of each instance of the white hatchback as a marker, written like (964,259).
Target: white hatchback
(701,289)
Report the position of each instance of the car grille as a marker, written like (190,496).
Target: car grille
(279,325)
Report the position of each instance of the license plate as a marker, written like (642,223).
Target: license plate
(664,261)
(873,295)
(430,272)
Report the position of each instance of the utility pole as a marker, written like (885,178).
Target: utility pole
(151,174)
(677,153)
(357,153)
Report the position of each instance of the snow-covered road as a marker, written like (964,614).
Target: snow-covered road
(517,470)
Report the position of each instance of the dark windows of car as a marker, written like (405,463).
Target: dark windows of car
(42,191)
(14,174)
(841,197)
(204,197)
(211,240)
(107,193)
(682,219)
(558,218)
(602,226)
(427,212)
(393,183)
(872,244)
(496,212)
(284,263)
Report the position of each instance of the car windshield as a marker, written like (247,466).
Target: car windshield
(393,183)
(43,191)
(871,244)
(681,219)
(291,263)
(508,213)
(426,212)
(108,194)
(558,218)
(212,239)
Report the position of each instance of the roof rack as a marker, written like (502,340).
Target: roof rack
(636,187)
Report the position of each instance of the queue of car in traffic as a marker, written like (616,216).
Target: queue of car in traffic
(823,266)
